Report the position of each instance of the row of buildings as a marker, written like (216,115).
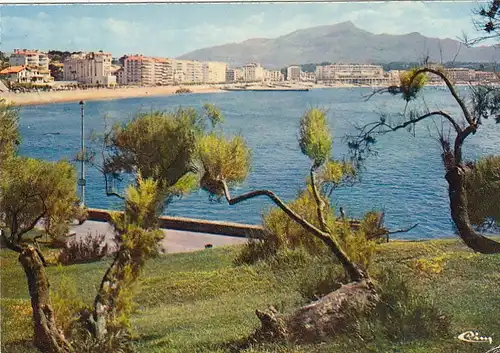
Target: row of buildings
(97,69)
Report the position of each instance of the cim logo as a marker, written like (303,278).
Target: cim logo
(473,337)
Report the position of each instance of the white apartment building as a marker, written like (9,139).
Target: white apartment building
(139,70)
(253,72)
(92,68)
(214,72)
(293,73)
(163,72)
(179,68)
(274,76)
(351,73)
(308,76)
(234,75)
(194,72)
(24,57)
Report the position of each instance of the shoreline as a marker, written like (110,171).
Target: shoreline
(101,94)
(94,94)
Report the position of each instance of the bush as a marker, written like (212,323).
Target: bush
(281,232)
(404,314)
(66,303)
(85,250)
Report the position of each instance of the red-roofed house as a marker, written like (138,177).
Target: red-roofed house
(24,74)
(15,74)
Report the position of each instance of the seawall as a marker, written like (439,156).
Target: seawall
(193,225)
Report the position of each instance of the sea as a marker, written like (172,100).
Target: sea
(405,179)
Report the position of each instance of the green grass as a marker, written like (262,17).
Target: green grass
(202,302)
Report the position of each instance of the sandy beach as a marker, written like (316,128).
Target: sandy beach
(43,97)
(36,98)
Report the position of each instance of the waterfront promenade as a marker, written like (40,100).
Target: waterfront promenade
(175,241)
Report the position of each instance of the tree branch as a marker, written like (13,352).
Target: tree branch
(320,203)
(352,270)
(451,88)
(425,116)
(34,223)
(9,244)
(404,230)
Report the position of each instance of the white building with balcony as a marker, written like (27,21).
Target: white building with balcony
(25,57)
(253,72)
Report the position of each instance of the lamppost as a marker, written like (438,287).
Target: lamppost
(81,181)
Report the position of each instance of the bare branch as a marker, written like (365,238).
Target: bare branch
(403,230)
(353,271)
(451,88)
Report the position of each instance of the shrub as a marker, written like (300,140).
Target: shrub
(281,232)
(114,342)
(88,249)
(66,303)
(404,314)
(318,281)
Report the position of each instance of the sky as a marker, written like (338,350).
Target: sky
(170,30)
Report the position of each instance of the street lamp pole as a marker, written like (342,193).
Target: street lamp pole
(81,181)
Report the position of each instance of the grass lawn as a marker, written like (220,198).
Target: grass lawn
(202,302)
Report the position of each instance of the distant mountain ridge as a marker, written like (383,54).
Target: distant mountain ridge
(342,42)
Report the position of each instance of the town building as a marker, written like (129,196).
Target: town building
(26,74)
(139,70)
(461,75)
(163,72)
(92,68)
(293,73)
(32,58)
(253,72)
(120,76)
(486,77)
(179,68)
(234,75)
(274,76)
(308,76)
(351,74)
(194,72)
(214,72)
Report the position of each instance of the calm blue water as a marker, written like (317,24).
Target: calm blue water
(405,179)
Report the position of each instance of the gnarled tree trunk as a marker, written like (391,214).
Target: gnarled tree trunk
(331,315)
(458,205)
(48,338)
(105,301)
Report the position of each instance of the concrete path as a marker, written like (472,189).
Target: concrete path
(175,241)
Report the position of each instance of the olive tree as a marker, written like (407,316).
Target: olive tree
(225,161)
(466,180)
(31,190)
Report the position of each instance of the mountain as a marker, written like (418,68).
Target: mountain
(342,42)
